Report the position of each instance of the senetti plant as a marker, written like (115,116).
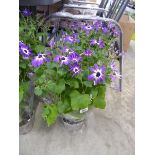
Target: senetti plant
(31,29)
(78,70)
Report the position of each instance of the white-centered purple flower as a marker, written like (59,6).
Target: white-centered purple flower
(88,53)
(67,50)
(98,74)
(69,39)
(24,50)
(113,66)
(74,57)
(62,60)
(93,42)
(115,73)
(72,38)
(75,68)
(87,28)
(40,59)
(98,25)
(26,12)
(100,43)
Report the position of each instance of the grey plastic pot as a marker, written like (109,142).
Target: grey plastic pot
(73,121)
(27,115)
(26,124)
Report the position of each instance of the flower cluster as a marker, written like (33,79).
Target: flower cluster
(76,66)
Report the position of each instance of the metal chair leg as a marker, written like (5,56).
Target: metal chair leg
(120,69)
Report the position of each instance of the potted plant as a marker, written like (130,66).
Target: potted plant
(78,72)
(31,30)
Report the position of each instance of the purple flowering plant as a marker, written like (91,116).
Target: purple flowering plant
(79,70)
(32,52)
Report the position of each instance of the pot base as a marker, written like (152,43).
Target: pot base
(26,125)
(73,121)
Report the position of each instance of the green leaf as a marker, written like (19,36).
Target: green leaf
(74,83)
(39,48)
(21,94)
(50,114)
(74,93)
(87,83)
(102,91)
(38,91)
(60,87)
(51,85)
(63,106)
(94,92)
(99,102)
(50,65)
(80,101)
(61,72)
(22,65)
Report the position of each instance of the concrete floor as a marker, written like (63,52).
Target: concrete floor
(108,132)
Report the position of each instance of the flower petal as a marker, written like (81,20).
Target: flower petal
(102,68)
(91,77)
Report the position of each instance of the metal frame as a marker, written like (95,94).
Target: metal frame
(102,10)
(115,11)
(117,8)
(81,2)
(61,15)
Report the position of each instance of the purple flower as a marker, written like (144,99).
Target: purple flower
(71,39)
(116,33)
(112,76)
(98,24)
(51,43)
(98,75)
(76,37)
(40,59)
(115,73)
(87,28)
(105,30)
(113,66)
(63,60)
(88,53)
(100,43)
(67,50)
(93,42)
(74,57)
(26,12)
(24,50)
(111,25)
(73,25)
(75,69)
